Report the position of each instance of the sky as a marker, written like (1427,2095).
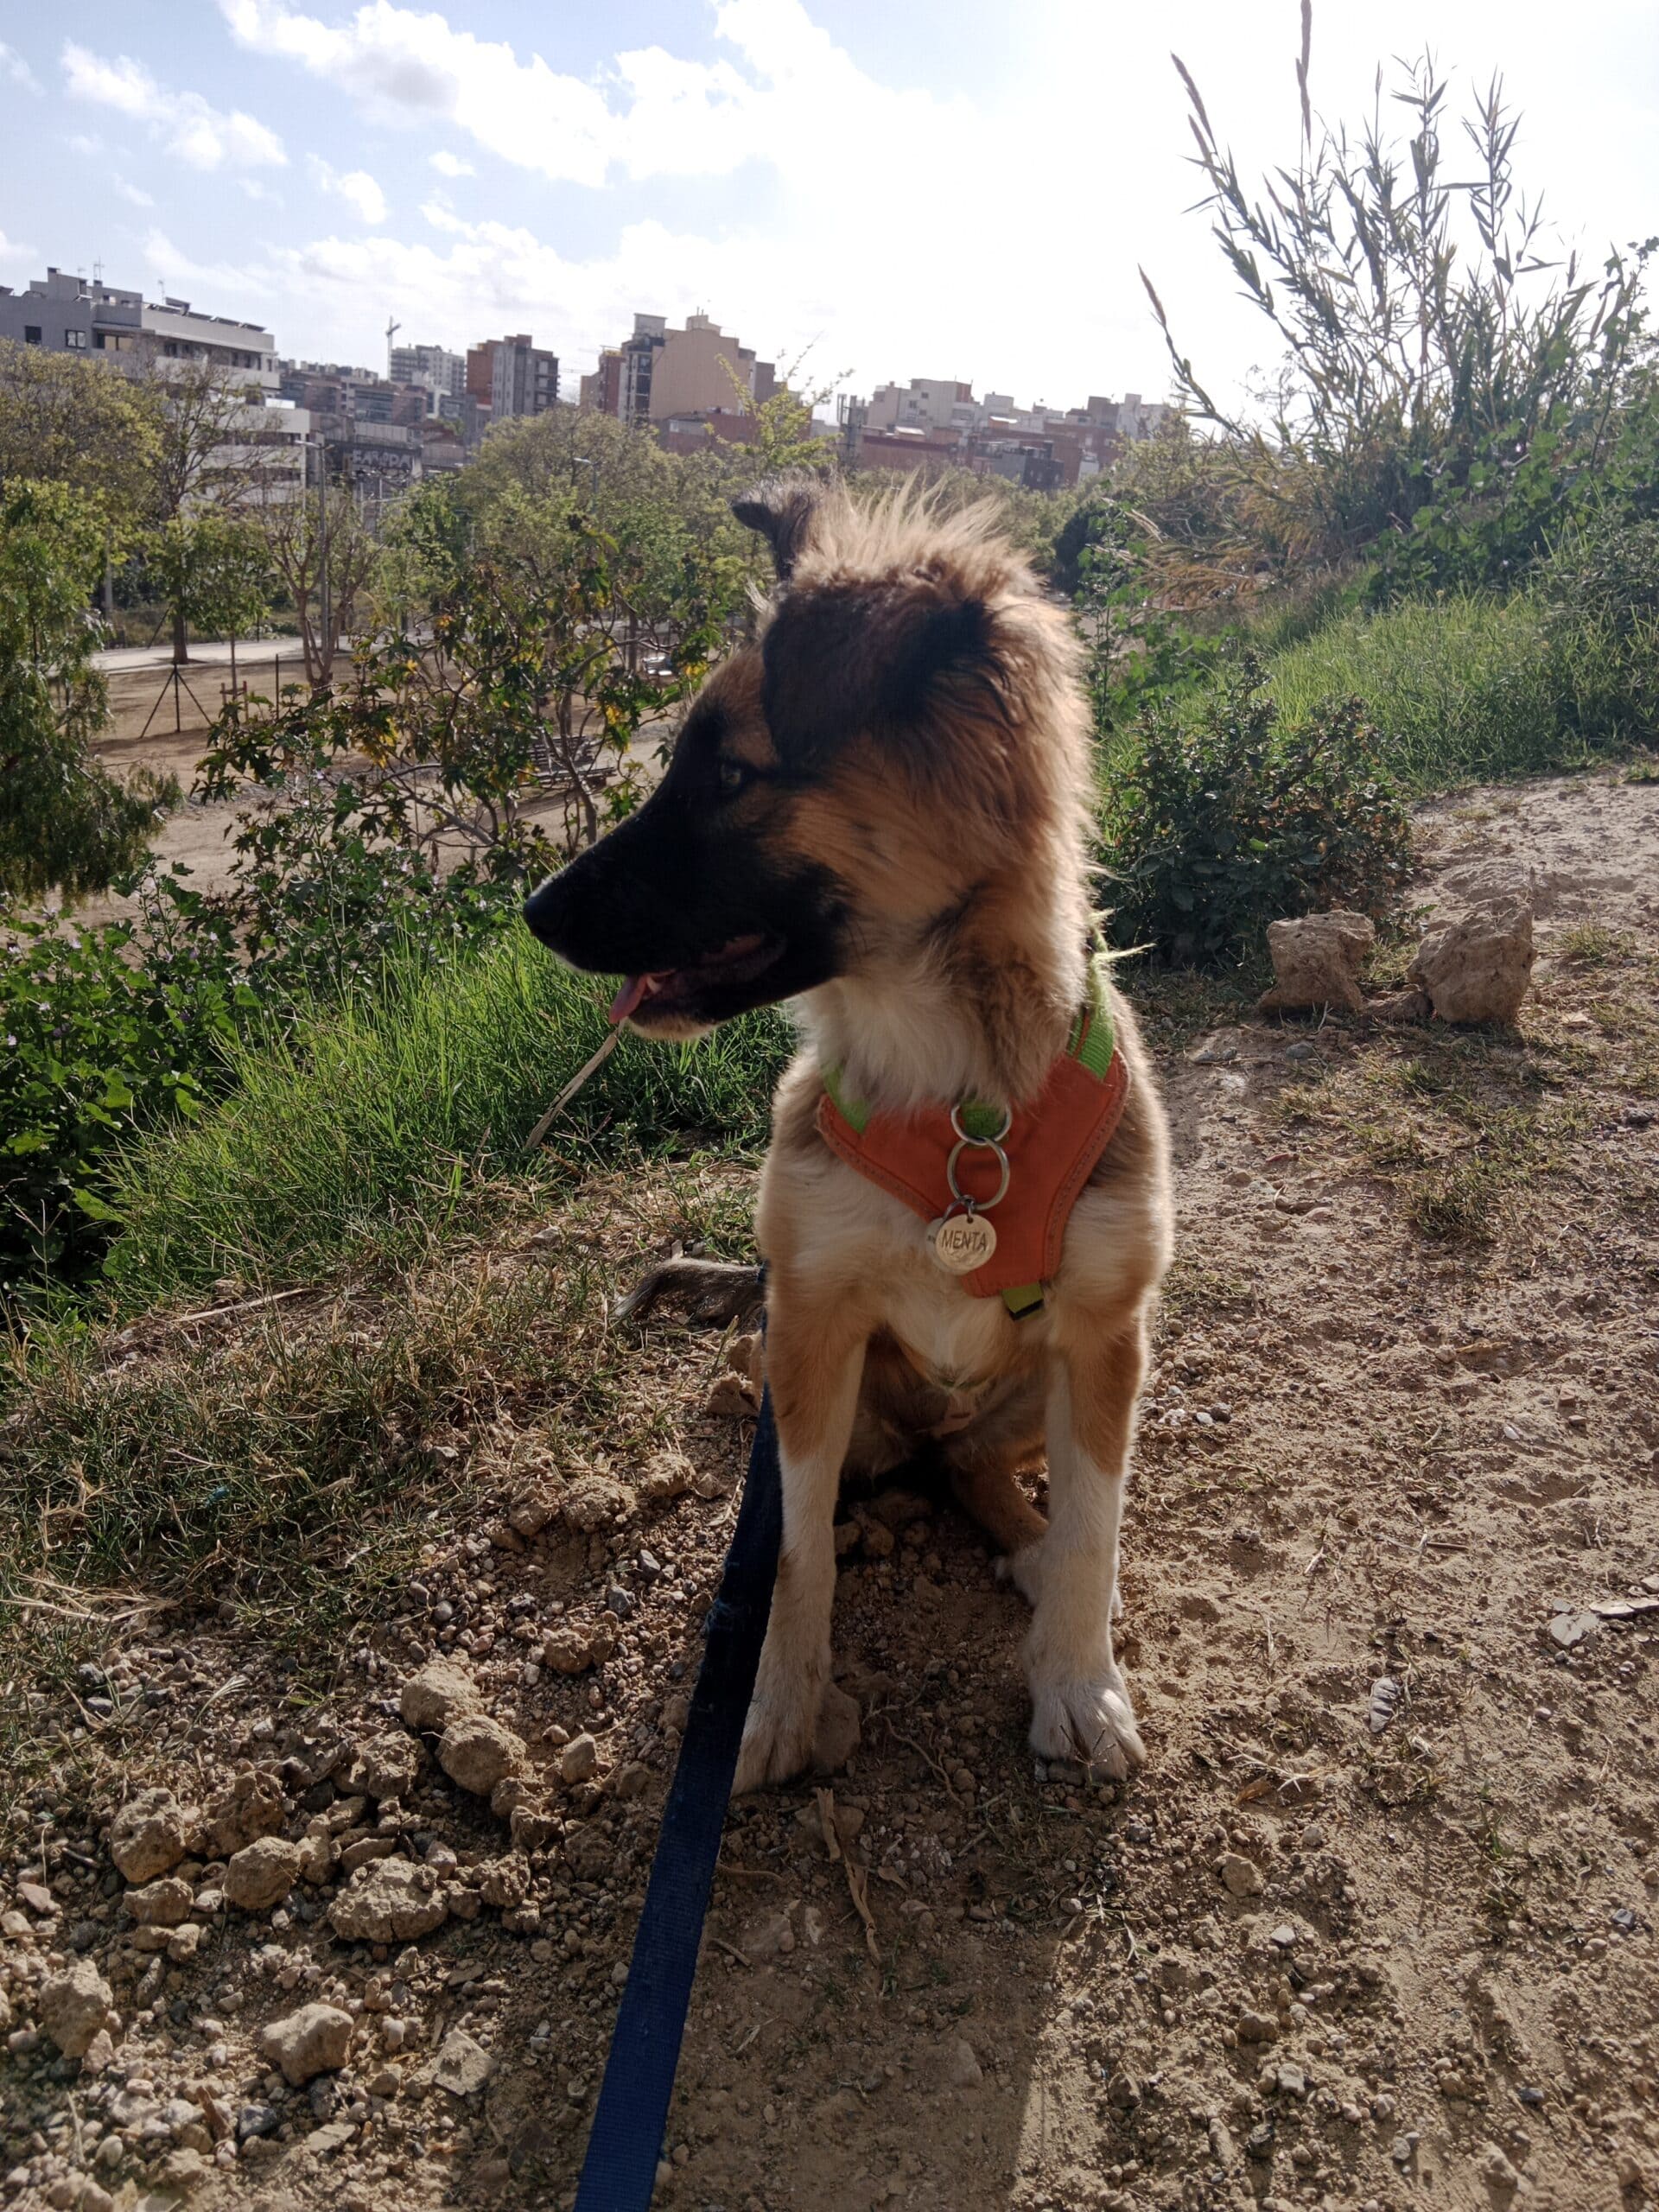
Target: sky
(871,190)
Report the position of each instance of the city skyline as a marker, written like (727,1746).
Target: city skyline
(953,195)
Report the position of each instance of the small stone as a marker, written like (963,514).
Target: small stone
(184,1942)
(1567,1631)
(387,1765)
(1241,1877)
(591,1502)
(665,1475)
(147,1835)
(314,2040)
(389,1902)
(528,1516)
(262,1873)
(162,1903)
(366,1849)
(573,1646)
(962,2066)
(1291,2081)
(185,2170)
(631,1780)
(532,1827)
(1496,2170)
(578,1760)
(476,1752)
(731,1399)
(620,1603)
(1400,2150)
(1283,1936)
(438,1694)
(75,2004)
(769,1937)
(1385,1703)
(256,2119)
(506,1881)
(462,2065)
(1256,2027)
(252,1806)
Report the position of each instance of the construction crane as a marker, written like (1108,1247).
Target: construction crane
(392,329)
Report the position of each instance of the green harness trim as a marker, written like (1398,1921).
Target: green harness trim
(1092,1042)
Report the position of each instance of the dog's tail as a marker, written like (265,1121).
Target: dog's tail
(713,1292)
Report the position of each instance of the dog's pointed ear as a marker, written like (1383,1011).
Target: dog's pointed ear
(781,508)
(882,659)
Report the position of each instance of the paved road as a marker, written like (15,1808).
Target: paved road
(116,660)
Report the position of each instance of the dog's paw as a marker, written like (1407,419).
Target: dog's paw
(777,1737)
(1092,1722)
(1024,1569)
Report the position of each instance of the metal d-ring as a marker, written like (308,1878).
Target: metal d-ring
(982,1144)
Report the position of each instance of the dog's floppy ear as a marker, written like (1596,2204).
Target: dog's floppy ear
(878,659)
(781,509)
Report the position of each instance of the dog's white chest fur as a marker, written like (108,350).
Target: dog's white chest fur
(858,1236)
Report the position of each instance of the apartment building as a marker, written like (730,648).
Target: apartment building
(433,370)
(78,315)
(512,376)
(660,374)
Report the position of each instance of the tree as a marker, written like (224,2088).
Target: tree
(293,533)
(65,821)
(213,569)
(201,461)
(71,422)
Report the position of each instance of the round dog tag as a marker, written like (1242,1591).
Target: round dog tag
(961,1242)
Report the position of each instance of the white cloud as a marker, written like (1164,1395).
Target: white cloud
(991,234)
(134,193)
(356,188)
(10,249)
(16,71)
(403,66)
(204,136)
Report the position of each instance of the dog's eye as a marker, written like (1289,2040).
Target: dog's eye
(734,776)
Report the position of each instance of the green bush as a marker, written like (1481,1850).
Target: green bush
(1218,825)
(96,1045)
(372,1122)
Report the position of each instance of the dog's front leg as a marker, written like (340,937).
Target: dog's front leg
(815,1363)
(1080,1705)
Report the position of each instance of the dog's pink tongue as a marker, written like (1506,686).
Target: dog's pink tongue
(628,997)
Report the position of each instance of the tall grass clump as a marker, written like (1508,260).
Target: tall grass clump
(1459,687)
(366,1125)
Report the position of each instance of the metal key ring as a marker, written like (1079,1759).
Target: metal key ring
(984,1144)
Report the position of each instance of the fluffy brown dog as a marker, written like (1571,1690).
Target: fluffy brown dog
(880,810)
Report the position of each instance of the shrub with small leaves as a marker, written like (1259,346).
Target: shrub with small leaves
(1218,826)
(95,1044)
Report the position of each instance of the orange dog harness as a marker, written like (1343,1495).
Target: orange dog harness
(1021,1170)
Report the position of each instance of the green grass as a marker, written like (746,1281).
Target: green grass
(367,1128)
(1458,688)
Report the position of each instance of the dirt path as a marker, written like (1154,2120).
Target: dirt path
(1374,1929)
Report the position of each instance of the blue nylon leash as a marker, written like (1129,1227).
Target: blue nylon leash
(620,2171)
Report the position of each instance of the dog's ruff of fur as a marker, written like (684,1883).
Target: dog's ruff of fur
(914,706)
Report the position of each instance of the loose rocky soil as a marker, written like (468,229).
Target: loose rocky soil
(1374,1928)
